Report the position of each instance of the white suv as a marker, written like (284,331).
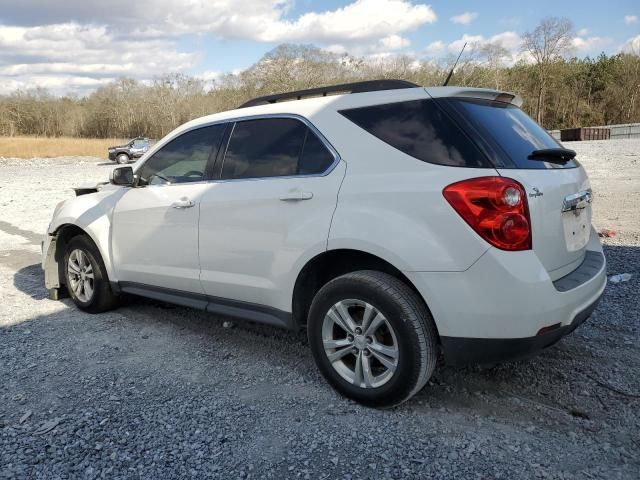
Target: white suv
(393,222)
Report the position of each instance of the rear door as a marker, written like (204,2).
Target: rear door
(269,211)
(559,193)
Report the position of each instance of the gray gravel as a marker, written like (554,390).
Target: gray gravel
(156,391)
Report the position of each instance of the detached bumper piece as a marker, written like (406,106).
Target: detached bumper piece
(459,351)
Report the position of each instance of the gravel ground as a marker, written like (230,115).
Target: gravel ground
(156,391)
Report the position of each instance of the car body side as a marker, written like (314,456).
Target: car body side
(388,206)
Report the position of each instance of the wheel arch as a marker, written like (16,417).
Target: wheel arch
(331,264)
(63,235)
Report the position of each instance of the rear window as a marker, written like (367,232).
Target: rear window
(419,128)
(509,130)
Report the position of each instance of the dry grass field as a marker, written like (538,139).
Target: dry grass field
(30,147)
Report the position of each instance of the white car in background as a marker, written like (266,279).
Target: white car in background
(393,222)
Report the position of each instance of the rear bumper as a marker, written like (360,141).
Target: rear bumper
(500,306)
(460,351)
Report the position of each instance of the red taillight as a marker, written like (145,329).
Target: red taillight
(496,208)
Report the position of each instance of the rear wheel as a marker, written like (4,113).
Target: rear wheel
(122,158)
(86,276)
(372,338)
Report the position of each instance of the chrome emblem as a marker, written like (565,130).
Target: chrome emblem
(536,193)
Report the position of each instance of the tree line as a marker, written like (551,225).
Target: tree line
(558,90)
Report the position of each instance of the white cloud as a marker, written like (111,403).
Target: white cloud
(590,44)
(632,45)
(362,19)
(583,32)
(41,46)
(260,20)
(266,20)
(209,75)
(630,19)
(509,40)
(72,57)
(435,48)
(394,42)
(465,18)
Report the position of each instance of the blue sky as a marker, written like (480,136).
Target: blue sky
(68,46)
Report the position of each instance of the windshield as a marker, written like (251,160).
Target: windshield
(511,130)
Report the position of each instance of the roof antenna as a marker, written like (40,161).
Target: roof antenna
(454,66)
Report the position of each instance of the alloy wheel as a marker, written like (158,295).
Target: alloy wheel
(360,343)
(80,275)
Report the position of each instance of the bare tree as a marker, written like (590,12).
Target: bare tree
(494,55)
(549,42)
(588,91)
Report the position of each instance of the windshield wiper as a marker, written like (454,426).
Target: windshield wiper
(553,155)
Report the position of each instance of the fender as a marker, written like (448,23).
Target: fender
(92,214)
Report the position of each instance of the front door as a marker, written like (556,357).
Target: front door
(155,225)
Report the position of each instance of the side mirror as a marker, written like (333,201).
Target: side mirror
(122,176)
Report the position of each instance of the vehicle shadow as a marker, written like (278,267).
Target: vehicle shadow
(561,381)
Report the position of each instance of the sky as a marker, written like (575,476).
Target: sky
(76,46)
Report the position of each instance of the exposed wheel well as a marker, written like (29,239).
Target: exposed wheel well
(329,265)
(63,235)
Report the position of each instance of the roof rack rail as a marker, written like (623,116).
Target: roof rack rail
(356,87)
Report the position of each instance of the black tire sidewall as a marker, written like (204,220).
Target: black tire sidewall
(400,386)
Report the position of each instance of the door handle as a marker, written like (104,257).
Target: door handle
(296,196)
(184,202)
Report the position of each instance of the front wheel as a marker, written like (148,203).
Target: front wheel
(122,158)
(372,338)
(86,276)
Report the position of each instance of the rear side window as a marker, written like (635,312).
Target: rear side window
(274,147)
(511,130)
(183,159)
(315,156)
(421,129)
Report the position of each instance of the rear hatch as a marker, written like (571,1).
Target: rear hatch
(557,186)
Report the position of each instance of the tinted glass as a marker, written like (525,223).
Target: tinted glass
(183,159)
(140,143)
(515,133)
(421,129)
(268,147)
(316,158)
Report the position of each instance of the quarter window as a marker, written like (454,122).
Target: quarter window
(315,156)
(421,129)
(274,147)
(183,159)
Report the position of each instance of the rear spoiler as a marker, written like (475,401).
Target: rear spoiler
(481,93)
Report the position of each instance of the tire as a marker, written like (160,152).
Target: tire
(85,260)
(122,158)
(406,330)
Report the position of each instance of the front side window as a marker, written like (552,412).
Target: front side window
(183,159)
(421,129)
(274,147)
